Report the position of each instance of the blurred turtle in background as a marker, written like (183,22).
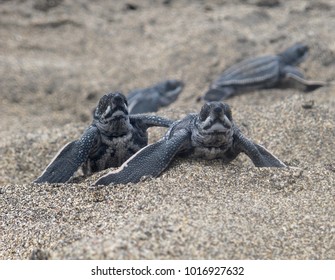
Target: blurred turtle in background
(262,72)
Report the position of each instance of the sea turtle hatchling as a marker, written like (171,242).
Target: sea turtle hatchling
(211,134)
(152,98)
(111,139)
(262,72)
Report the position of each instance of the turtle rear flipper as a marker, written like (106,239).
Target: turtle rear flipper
(69,159)
(143,103)
(152,98)
(260,156)
(150,161)
(217,94)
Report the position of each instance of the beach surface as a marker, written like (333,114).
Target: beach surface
(57,58)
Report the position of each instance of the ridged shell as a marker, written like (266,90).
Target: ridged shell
(251,72)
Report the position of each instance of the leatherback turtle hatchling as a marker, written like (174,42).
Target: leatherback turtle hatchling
(111,139)
(211,134)
(152,98)
(262,72)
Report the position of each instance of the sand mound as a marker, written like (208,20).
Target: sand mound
(57,58)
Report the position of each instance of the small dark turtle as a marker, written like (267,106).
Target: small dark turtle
(110,140)
(262,72)
(152,98)
(211,134)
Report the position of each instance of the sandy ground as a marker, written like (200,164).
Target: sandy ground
(58,58)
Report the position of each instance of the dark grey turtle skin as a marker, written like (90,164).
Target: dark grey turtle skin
(211,134)
(110,140)
(152,98)
(262,72)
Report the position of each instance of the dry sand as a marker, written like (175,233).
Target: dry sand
(57,58)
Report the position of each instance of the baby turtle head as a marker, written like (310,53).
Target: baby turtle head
(215,117)
(214,125)
(112,106)
(111,113)
(169,91)
(294,54)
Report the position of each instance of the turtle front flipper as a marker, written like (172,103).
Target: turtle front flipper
(260,156)
(293,73)
(309,85)
(269,158)
(69,159)
(150,161)
(151,120)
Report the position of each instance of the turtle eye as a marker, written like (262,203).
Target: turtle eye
(103,100)
(102,105)
(227,111)
(204,112)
